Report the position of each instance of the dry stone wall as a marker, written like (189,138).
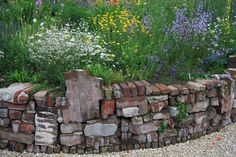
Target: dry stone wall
(93,118)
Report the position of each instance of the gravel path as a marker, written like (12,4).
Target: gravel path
(220,144)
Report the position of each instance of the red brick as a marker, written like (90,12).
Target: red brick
(14,114)
(130,102)
(159,106)
(20,107)
(163,88)
(50,100)
(108,108)
(182,89)
(27,128)
(28,117)
(141,88)
(126,89)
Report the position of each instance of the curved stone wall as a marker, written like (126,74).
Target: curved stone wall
(93,118)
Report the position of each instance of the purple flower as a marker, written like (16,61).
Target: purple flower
(39,2)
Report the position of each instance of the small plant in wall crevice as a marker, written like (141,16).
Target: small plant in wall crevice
(182,112)
(162,128)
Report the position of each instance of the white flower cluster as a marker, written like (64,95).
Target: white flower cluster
(66,44)
(1,54)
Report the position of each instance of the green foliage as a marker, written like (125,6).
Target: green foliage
(18,76)
(107,74)
(183,112)
(162,128)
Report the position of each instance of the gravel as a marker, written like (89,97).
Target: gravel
(219,144)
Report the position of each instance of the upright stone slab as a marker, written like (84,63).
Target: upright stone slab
(232,61)
(83,95)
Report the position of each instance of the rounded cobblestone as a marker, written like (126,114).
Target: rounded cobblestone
(219,144)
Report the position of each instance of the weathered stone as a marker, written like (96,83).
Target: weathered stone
(211,113)
(4,122)
(168,133)
(16,125)
(133,89)
(108,108)
(11,145)
(50,149)
(19,147)
(195,87)
(130,112)
(117,91)
(6,134)
(71,128)
(159,116)
(131,102)
(143,109)
(16,93)
(145,128)
(234,104)
(183,90)
(137,120)
(157,99)
(71,139)
(181,98)
(232,61)
(212,93)
(28,117)
(173,111)
(140,87)
(214,101)
(126,90)
(200,96)
(173,90)
(3,112)
(190,98)
(14,114)
(65,149)
(57,149)
(83,95)
(209,83)
(106,128)
(73,150)
(198,106)
(27,128)
(157,107)
(199,117)
(142,138)
(215,121)
(108,92)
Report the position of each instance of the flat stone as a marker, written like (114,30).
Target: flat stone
(16,93)
(14,114)
(130,112)
(28,117)
(71,128)
(200,96)
(145,128)
(20,107)
(104,128)
(71,139)
(195,86)
(163,88)
(6,134)
(234,104)
(137,120)
(41,95)
(159,116)
(157,107)
(83,94)
(212,93)
(157,99)
(27,128)
(183,90)
(198,106)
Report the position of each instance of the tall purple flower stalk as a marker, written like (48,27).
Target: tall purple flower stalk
(39,2)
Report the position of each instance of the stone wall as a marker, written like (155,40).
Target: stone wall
(93,118)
